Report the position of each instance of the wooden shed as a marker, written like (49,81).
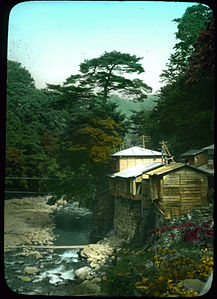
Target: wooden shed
(175,188)
(133,156)
(198,157)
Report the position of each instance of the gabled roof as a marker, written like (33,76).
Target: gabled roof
(166,168)
(171,167)
(136,170)
(209,147)
(137,151)
(191,152)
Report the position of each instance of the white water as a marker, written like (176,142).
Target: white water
(72,228)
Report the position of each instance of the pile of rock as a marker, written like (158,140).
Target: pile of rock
(97,255)
(59,204)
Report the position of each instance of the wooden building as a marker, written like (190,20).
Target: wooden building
(132,157)
(203,156)
(175,189)
(127,183)
(145,191)
(194,157)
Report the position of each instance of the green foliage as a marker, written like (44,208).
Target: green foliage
(29,120)
(184,114)
(159,271)
(105,74)
(195,19)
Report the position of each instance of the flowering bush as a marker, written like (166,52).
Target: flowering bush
(200,233)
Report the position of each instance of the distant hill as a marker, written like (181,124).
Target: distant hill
(126,106)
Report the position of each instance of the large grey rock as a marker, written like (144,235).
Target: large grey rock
(25,278)
(194,284)
(89,288)
(86,288)
(31,270)
(83,272)
(207,285)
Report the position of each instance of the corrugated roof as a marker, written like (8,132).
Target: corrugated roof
(165,169)
(136,170)
(191,152)
(137,151)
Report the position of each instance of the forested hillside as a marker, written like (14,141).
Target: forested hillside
(127,107)
(184,114)
(67,132)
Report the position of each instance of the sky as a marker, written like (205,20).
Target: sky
(52,38)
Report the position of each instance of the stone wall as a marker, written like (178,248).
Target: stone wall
(131,222)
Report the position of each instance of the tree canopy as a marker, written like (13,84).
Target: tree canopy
(105,75)
(184,114)
(67,132)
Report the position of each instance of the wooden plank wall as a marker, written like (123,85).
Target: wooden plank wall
(128,162)
(180,191)
(201,159)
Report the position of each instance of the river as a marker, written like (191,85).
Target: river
(57,267)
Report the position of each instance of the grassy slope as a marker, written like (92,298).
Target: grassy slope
(126,106)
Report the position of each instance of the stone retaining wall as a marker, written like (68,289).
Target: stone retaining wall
(130,221)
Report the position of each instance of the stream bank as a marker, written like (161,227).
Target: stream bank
(30,221)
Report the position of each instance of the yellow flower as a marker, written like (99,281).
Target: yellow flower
(180,285)
(169,281)
(160,250)
(160,278)
(104,278)
(171,252)
(120,274)
(164,250)
(157,264)
(144,280)
(144,288)
(155,257)
(149,249)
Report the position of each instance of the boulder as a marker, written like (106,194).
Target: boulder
(86,288)
(31,270)
(194,284)
(25,278)
(83,272)
(89,287)
(207,285)
(38,255)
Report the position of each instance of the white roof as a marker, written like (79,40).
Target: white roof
(136,170)
(209,147)
(137,151)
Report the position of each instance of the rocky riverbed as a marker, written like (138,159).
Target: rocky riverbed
(30,221)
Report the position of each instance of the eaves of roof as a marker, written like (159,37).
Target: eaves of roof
(136,170)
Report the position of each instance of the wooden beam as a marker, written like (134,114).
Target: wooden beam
(48,246)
